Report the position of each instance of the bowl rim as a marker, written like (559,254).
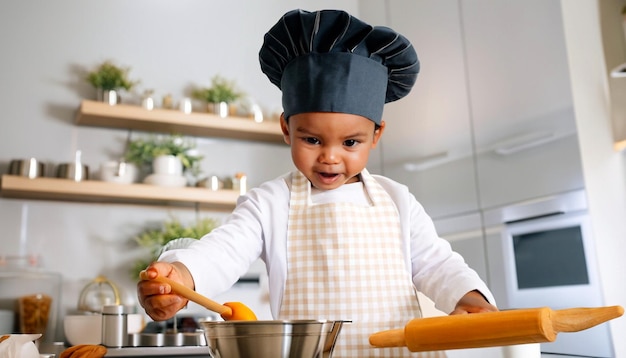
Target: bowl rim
(272,322)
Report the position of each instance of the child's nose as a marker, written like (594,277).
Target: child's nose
(329,155)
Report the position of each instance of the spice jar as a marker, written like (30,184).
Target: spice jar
(114,326)
(240,182)
(147,101)
(168,102)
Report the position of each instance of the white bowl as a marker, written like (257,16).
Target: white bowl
(83,329)
(87,328)
(174,181)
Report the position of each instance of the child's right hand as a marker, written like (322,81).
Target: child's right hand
(155,297)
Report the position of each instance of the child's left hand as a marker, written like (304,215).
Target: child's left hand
(473,302)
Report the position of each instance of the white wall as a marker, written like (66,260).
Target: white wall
(171,46)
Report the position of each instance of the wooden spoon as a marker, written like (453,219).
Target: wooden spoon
(230,311)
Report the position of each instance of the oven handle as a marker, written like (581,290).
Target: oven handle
(574,201)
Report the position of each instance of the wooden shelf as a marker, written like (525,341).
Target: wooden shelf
(12,186)
(100,114)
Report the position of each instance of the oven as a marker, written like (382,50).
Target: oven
(541,253)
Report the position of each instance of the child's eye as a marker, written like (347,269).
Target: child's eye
(350,142)
(312,140)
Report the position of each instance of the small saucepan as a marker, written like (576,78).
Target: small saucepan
(30,168)
(72,171)
(75,171)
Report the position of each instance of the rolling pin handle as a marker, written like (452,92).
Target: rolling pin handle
(578,319)
(390,338)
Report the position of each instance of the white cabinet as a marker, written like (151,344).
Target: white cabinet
(521,101)
(547,170)
(427,143)
(490,120)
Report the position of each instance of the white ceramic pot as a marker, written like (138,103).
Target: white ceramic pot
(220,108)
(119,172)
(109,96)
(167,165)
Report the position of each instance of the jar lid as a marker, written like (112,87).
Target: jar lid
(113,309)
(20,262)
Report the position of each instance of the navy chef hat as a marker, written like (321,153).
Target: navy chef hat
(330,61)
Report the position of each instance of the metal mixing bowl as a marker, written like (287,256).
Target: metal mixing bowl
(271,339)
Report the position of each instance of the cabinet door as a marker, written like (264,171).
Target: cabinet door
(521,101)
(427,143)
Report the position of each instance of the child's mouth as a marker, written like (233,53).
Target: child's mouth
(327,178)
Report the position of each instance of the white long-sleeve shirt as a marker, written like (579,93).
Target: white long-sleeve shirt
(258,228)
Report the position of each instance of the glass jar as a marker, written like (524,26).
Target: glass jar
(33,293)
(147,101)
(240,183)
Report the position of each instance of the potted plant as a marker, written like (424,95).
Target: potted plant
(157,240)
(144,152)
(108,79)
(220,95)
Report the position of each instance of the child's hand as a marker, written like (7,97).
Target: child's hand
(473,302)
(155,297)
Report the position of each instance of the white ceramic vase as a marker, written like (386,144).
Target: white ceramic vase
(111,97)
(221,109)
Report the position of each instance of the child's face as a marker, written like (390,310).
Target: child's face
(330,149)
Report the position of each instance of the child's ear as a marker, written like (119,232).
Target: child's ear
(378,133)
(284,126)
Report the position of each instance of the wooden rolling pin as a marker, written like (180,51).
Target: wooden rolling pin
(491,329)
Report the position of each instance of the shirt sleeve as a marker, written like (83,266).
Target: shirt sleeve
(218,259)
(438,272)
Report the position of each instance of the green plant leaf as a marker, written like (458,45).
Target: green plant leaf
(221,90)
(108,76)
(142,151)
(154,239)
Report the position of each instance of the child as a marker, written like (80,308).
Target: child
(338,242)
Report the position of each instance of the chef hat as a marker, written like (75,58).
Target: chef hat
(330,61)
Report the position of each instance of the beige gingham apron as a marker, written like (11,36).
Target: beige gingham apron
(346,262)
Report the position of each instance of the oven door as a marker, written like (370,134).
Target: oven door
(547,258)
(548,261)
